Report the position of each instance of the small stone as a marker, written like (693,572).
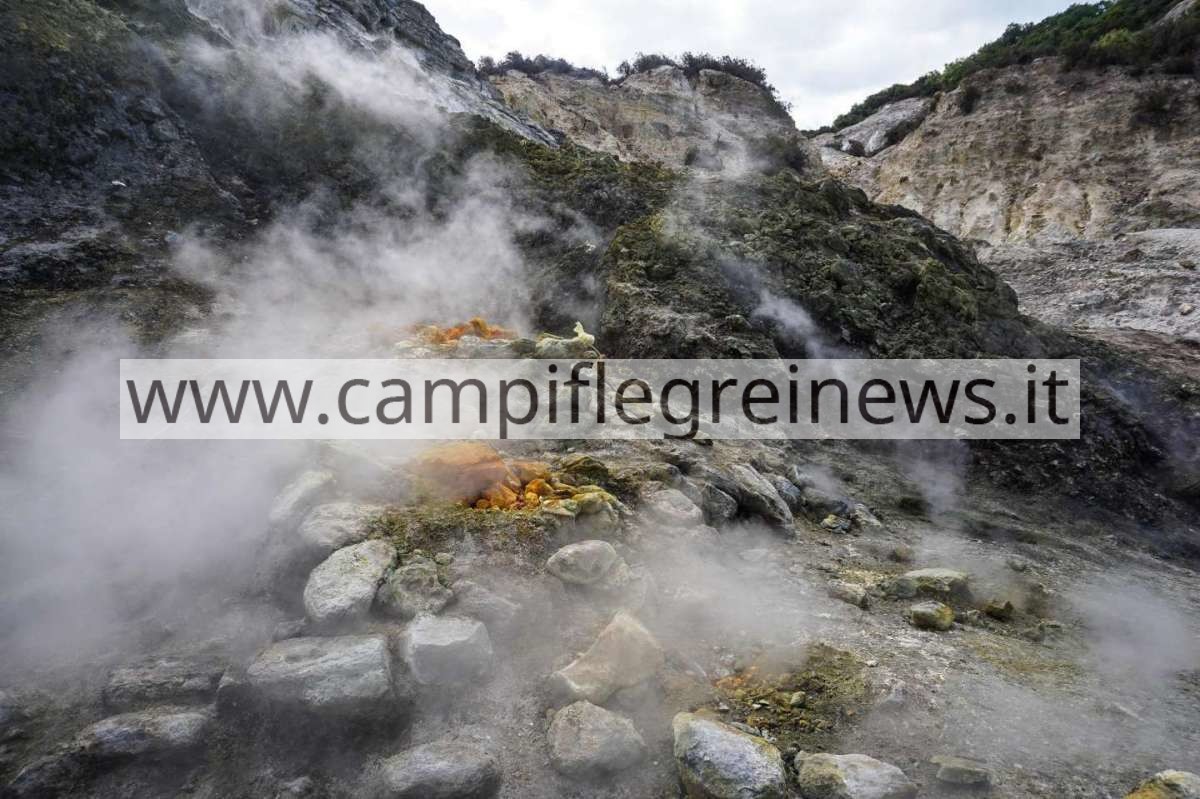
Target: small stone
(624,655)
(863,519)
(717,761)
(443,558)
(1186,309)
(824,776)
(584,563)
(1017,564)
(586,740)
(931,616)
(412,589)
(836,524)
(1000,610)
(342,589)
(850,593)
(797,699)
(900,553)
(961,771)
(446,650)
(441,770)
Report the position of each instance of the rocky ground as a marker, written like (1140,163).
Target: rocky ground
(794,600)
(547,619)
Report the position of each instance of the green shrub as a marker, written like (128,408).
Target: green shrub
(536,66)
(1085,35)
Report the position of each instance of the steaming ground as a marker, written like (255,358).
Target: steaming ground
(116,552)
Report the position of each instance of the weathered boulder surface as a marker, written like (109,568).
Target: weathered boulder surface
(823,776)
(584,563)
(446,650)
(586,740)
(759,497)
(441,770)
(931,616)
(717,761)
(413,589)
(347,678)
(624,654)
(342,589)
(164,680)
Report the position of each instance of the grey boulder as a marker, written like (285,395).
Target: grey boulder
(347,678)
(440,770)
(717,761)
(446,650)
(586,740)
(584,563)
(343,587)
(623,655)
(826,776)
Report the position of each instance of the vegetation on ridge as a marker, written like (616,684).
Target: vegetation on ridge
(690,63)
(1085,35)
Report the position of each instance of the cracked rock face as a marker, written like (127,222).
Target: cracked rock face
(167,680)
(715,120)
(1041,145)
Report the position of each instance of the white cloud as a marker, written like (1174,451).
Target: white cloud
(823,56)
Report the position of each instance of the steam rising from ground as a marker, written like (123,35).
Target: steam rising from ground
(97,530)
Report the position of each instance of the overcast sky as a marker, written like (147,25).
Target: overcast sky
(823,55)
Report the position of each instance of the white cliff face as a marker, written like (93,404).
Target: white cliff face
(714,120)
(1079,197)
(1046,155)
